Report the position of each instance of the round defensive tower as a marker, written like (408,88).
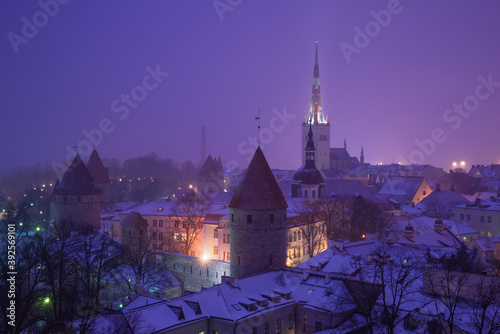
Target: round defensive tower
(257,222)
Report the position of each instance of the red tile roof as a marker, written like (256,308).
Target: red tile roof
(77,180)
(258,190)
(96,168)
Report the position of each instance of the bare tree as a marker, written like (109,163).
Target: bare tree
(189,211)
(312,227)
(484,304)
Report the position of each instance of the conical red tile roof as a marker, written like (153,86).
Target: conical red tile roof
(97,169)
(77,180)
(258,189)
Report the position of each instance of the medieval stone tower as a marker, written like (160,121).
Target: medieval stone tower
(257,222)
(76,197)
(319,122)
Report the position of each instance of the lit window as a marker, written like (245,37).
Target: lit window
(490,234)
(216,250)
(216,234)
(482,232)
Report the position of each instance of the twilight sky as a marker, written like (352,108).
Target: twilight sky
(151,73)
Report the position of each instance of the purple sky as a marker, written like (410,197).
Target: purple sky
(395,90)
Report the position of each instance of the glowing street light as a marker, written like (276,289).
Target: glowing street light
(454,164)
(204,257)
(462,163)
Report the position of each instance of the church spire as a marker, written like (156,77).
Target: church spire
(362,157)
(316,113)
(310,149)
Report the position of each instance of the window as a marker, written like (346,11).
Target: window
(482,219)
(304,325)
(227,238)
(489,219)
(216,250)
(278,325)
(155,223)
(176,224)
(266,328)
(300,234)
(216,234)
(249,219)
(160,223)
(425,193)
(490,234)
(305,193)
(294,235)
(160,247)
(155,236)
(313,194)
(232,217)
(482,232)
(227,258)
(290,321)
(468,217)
(290,236)
(271,218)
(176,237)
(318,326)
(223,256)
(254,330)
(462,216)
(160,236)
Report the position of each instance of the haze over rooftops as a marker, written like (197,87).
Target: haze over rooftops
(258,190)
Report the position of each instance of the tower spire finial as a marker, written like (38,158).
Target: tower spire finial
(258,128)
(316,108)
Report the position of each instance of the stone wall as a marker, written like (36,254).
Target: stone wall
(194,272)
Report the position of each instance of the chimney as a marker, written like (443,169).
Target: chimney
(233,281)
(439,226)
(409,233)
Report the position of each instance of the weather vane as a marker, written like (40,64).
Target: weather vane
(258,128)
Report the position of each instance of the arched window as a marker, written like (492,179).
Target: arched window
(305,194)
(299,192)
(313,194)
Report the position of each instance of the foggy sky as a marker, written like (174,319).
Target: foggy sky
(191,64)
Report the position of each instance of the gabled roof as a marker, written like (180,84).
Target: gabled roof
(441,202)
(134,219)
(97,169)
(340,187)
(258,190)
(401,188)
(77,180)
(339,154)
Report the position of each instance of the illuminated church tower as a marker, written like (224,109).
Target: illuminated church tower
(320,124)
